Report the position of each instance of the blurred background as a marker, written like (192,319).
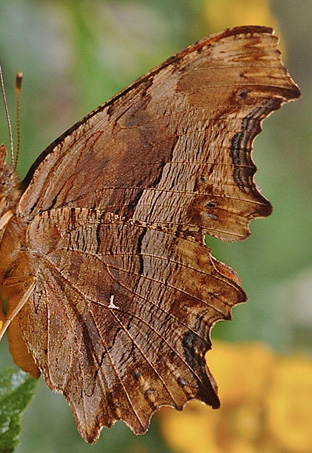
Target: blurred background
(77,54)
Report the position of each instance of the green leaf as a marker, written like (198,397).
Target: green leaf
(16,390)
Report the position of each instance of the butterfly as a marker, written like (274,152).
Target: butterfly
(111,291)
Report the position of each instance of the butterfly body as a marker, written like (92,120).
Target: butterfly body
(105,234)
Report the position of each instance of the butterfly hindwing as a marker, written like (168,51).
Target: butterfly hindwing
(129,318)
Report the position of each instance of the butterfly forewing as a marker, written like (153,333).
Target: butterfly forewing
(175,148)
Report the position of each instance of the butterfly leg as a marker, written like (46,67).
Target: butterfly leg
(4,325)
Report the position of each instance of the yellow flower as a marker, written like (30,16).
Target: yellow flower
(290,404)
(266,405)
(228,13)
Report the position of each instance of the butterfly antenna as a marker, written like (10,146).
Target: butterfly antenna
(18,85)
(7,116)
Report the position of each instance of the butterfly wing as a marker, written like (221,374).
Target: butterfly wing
(123,325)
(174,148)
(117,208)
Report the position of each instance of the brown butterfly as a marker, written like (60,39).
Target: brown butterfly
(102,243)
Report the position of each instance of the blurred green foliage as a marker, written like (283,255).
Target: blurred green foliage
(75,55)
(16,390)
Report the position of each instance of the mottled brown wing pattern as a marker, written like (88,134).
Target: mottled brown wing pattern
(112,220)
(126,326)
(174,148)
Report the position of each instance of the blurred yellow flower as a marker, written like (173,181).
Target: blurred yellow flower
(223,14)
(290,404)
(266,405)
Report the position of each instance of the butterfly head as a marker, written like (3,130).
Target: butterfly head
(9,185)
